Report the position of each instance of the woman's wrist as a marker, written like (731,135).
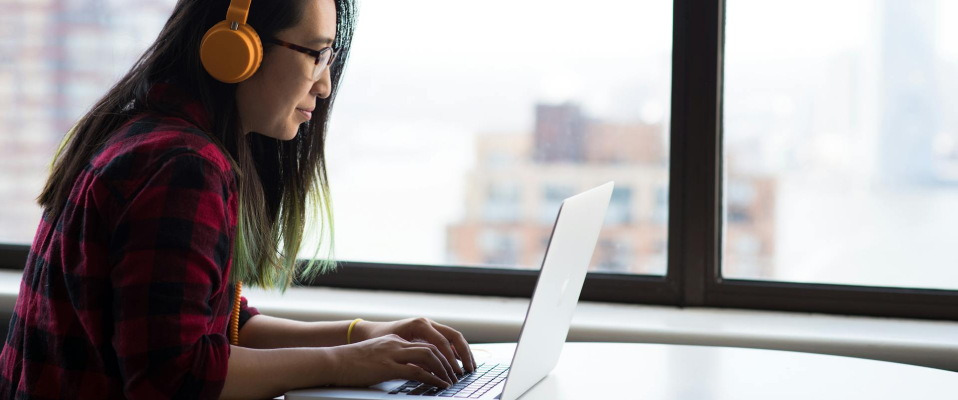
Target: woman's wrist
(331,360)
(287,368)
(333,356)
(352,334)
(360,331)
(321,368)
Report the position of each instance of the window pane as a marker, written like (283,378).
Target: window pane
(56,59)
(461,127)
(841,142)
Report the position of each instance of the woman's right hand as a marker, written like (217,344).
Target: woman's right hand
(391,357)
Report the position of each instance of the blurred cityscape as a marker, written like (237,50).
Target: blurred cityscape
(855,121)
(57,57)
(520,180)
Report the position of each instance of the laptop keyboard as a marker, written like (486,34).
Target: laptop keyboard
(471,385)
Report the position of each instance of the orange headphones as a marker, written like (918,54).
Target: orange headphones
(231,50)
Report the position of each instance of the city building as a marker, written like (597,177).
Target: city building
(514,193)
(62,56)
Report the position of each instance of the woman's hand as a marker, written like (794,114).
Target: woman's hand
(450,343)
(390,357)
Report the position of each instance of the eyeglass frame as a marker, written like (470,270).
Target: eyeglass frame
(317,54)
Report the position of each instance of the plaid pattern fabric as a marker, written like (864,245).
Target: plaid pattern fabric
(125,295)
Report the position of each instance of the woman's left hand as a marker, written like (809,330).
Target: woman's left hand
(447,340)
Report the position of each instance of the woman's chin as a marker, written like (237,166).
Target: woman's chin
(291,135)
(294,131)
(284,132)
(287,134)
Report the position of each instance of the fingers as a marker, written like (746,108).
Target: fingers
(425,354)
(415,373)
(450,373)
(462,347)
(440,339)
(465,360)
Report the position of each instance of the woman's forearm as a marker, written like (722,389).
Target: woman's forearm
(266,332)
(259,373)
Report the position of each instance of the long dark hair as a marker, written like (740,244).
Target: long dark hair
(288,176)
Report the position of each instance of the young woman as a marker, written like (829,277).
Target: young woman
(175,188)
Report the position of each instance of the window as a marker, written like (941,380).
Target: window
(55,61)
(841,142)
(463,127)
(766,154)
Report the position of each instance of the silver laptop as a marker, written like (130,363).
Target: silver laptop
(546,326)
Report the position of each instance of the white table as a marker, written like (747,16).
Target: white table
(675,372)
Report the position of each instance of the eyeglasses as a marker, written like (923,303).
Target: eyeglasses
(324,57)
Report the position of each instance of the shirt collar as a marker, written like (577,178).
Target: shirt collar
(176,97)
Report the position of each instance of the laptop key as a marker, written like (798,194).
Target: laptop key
(420,390)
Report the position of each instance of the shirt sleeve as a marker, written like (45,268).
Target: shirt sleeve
(171,247)
(246,312)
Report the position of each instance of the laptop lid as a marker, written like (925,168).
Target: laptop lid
(563,271)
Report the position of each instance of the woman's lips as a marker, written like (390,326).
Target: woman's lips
(307,114)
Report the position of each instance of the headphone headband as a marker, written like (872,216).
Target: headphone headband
(238,11)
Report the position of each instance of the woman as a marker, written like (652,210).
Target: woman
(174,189)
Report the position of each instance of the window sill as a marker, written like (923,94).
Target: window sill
(485,319)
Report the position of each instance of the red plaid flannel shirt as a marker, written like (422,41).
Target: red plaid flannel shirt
(126,295)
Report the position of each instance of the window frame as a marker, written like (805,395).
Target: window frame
(693,277)
(697,176)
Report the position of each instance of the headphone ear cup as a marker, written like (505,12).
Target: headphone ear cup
(231,56)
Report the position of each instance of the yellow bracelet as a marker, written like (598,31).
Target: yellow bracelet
(349,333)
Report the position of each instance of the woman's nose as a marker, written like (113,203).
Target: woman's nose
(323,86)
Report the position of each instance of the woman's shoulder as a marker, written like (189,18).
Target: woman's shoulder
(149,140)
